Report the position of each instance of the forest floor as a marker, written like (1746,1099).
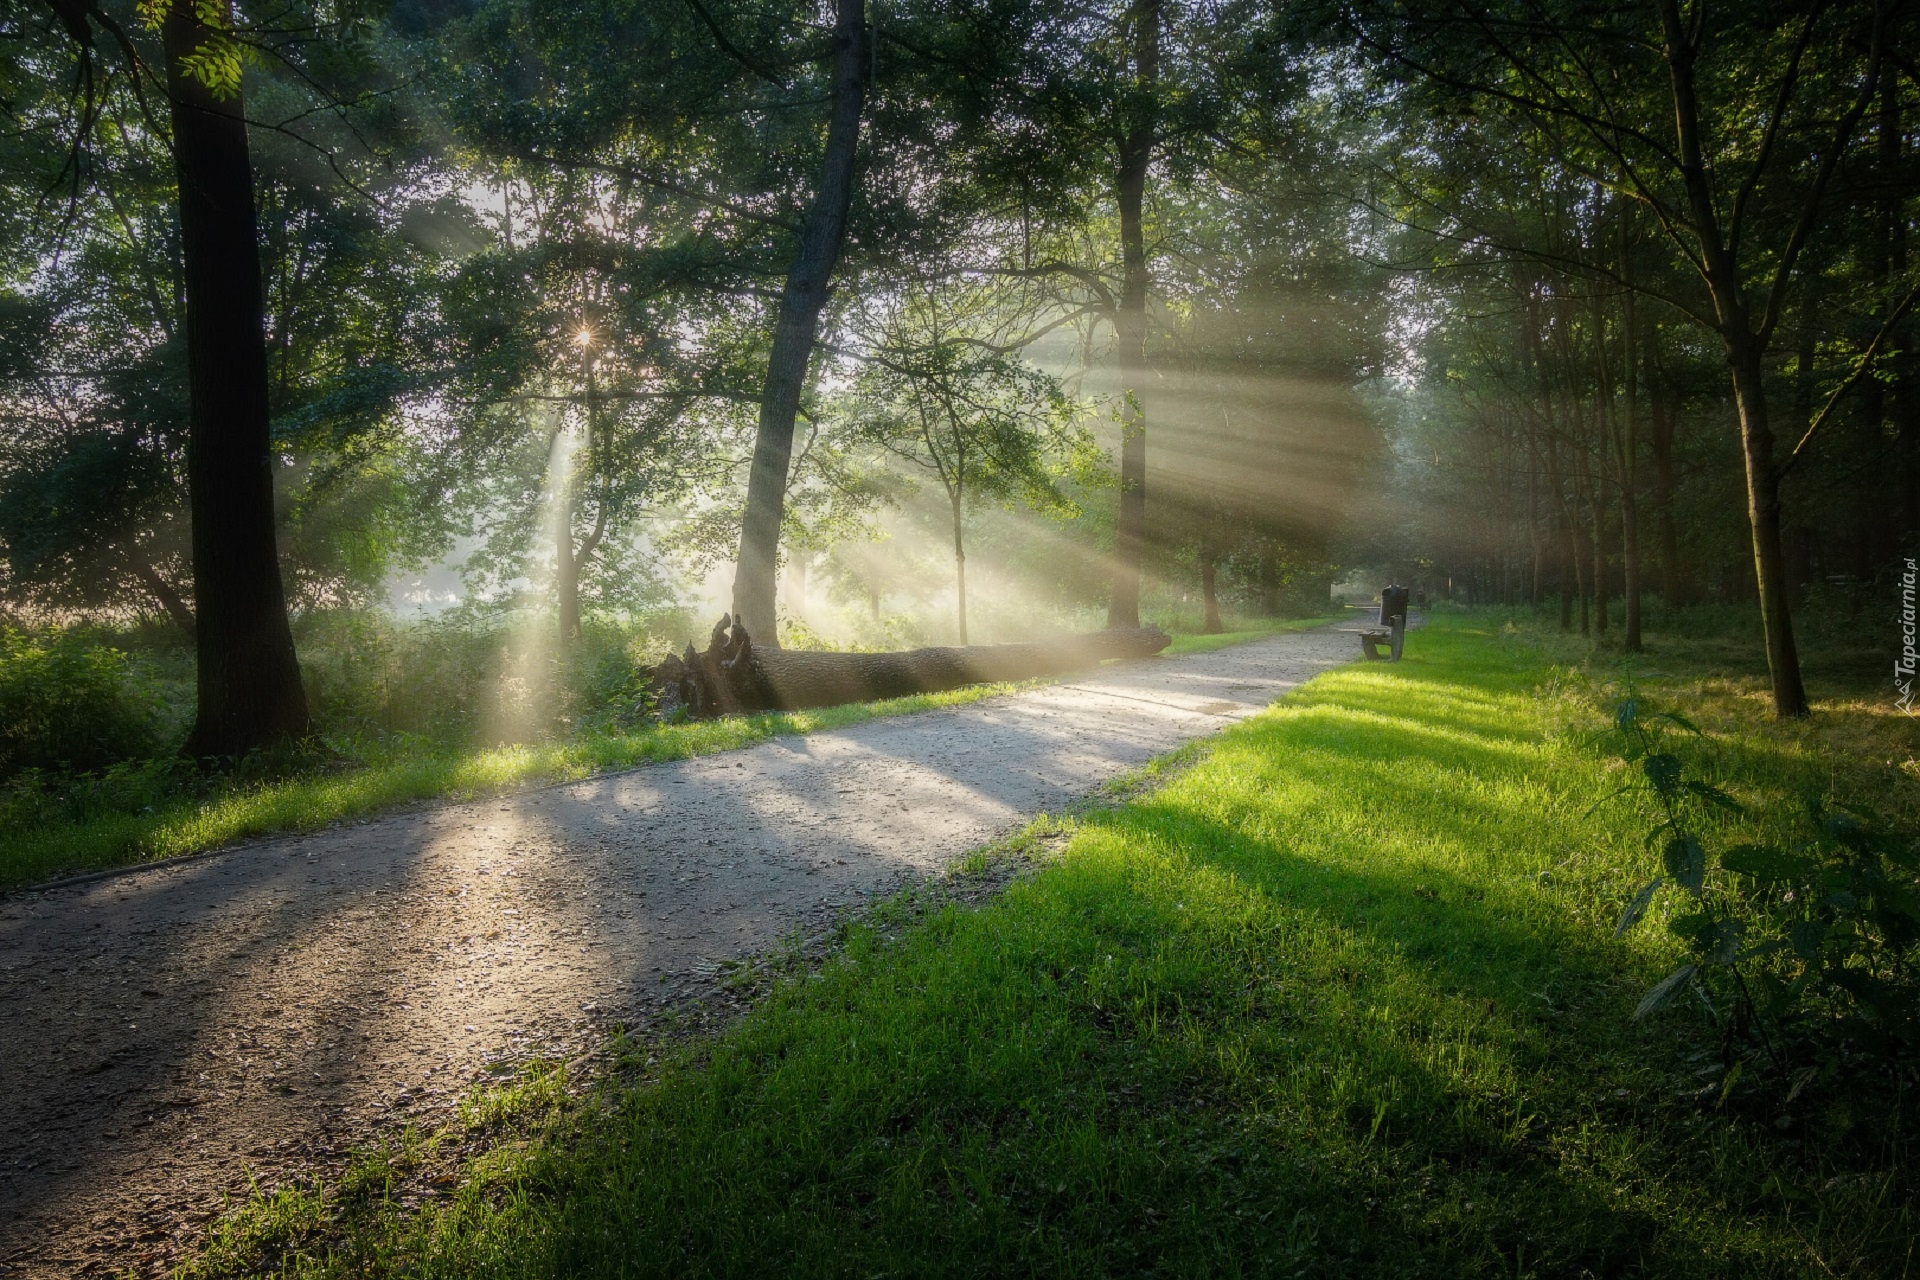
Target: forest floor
(197,1031)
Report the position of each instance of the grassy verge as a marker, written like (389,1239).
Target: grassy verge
(1194,642)
(1340,998)
(384,776)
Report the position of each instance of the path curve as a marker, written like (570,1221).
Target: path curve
(172,1032)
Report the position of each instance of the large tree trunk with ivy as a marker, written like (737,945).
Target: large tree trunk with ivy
(795,331)
(249,687)
(735,676)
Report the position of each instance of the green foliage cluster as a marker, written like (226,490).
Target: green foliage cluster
(71,703)
(1806,955)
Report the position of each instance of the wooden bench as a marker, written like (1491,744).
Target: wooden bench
(1389,629)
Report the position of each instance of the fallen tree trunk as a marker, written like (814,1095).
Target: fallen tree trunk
(733,677)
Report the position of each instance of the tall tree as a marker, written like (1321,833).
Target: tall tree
(248,680)
(943,397)
(1737,174)
(1138,127)
(796,330)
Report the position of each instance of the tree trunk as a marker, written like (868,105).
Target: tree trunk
(1565,541)
(1269,580)
(1733,320)
(162,591)
(249,690)
(1580,561)
(736,676)
(1629,484)
(1600,550)
(1763,515)
(1630,554)
(795,331)
(566,585)
(1662,415)
(959,568)
(1130,325)
(1213,625)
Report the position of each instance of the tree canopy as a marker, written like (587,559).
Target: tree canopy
(592,308)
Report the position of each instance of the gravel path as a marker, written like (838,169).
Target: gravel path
(168,1034)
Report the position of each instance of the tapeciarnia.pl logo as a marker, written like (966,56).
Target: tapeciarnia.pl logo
(1903,666)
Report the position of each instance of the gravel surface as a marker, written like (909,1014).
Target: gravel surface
(171,1036)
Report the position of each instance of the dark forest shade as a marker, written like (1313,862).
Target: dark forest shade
(248,678)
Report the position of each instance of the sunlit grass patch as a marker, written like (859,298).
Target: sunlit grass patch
(1340,997)
(1194,642)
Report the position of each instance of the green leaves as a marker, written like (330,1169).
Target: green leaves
(1766,863)
(1638,907)
(1686,862)
(1664,991)
(1663,772)
(1815,950)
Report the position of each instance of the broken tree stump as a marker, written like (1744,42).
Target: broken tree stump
(734,677)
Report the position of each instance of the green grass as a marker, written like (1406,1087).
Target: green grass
(384,776)
(388,777)
(1339,998)
(1194,642)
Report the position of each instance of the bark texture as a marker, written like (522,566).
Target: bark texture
(249,690)
(796,327)
(1210,594)
(735,676)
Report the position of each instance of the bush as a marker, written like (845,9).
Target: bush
(69,703)
(470,677)
(1805,952)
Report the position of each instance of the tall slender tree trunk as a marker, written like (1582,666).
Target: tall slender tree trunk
(1763,516)
(249,690)
(1565,544)
(1209,592)
(959,565)
(1130,321)
(1581,558)
(1630,483)
(1662,415)
(1269,579)
(1536,542)
(568,562)
(1745,348)
(566,587)
(795,332)
(1597,506)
